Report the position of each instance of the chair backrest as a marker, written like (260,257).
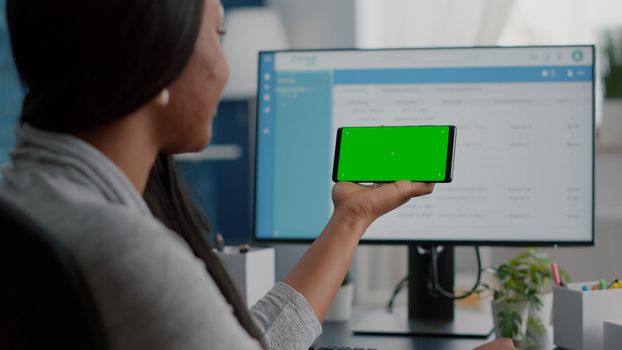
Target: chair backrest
(44,300)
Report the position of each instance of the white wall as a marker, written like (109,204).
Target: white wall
(317,23)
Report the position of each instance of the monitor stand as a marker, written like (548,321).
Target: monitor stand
(427,315)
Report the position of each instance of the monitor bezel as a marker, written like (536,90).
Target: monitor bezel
(368,241)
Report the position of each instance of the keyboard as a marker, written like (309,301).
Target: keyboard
(329,347)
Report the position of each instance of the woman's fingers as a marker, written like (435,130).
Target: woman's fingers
(403,190)
(414,189)
(390,196)
(372,201)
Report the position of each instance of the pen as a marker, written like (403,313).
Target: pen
(555,271)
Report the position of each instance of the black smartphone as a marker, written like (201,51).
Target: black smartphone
(392,153)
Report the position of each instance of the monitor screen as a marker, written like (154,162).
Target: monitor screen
(524,117)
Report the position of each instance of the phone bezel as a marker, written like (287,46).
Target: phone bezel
(451,147)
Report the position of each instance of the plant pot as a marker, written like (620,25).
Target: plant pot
(520,308)
(540,337)
(545,311)
(341,308)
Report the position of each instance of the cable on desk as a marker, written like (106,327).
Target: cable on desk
(439,289)
(402,283)
(436,287)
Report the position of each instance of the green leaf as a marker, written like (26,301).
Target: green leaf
(509,323)
(535,326)
(523,278)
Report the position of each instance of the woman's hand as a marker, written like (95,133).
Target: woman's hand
(319,273)
(497,344)
(367,203)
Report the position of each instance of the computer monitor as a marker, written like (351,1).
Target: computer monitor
(524,161)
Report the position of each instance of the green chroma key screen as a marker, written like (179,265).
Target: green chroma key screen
(392,153)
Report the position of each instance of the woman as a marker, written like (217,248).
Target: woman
(113,89)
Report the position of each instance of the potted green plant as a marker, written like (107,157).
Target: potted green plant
(341,307)
(511,299)
(522,298)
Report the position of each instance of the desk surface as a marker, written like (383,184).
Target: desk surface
(339,334)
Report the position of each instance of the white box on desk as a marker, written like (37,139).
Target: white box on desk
(252,272)
(612,335)
(578,316)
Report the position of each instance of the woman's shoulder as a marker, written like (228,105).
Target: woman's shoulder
(140,273)
(92,226)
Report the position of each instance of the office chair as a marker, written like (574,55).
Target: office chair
(44,301)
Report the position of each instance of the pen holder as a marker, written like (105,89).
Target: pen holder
(252,271)
(578,316)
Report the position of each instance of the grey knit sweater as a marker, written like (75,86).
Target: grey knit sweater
(150,289)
